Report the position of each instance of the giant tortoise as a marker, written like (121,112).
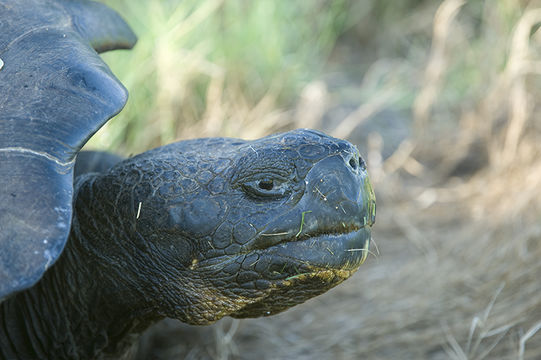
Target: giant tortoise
(195,230)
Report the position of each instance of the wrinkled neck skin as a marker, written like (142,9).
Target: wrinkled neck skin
(87,306)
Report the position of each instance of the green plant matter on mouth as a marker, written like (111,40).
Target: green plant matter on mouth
(302,221)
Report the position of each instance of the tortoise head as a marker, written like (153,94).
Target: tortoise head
(216,227)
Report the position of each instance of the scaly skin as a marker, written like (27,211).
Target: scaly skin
(196,230)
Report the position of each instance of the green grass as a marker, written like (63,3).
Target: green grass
(196,60)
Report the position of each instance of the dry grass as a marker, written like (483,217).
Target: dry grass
(459,217)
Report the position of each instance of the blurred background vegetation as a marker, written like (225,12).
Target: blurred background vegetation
(442,97)
(211,67)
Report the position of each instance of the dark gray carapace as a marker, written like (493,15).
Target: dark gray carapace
(56,93)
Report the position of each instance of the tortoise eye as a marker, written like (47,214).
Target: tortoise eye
(265,184)
(266,188)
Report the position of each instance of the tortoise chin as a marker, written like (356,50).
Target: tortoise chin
(306,268)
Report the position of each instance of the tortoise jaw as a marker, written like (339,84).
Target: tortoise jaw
(292,256)
(302,269)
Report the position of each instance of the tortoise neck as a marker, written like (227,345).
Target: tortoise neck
(102,285)
(105,314)
(84,306)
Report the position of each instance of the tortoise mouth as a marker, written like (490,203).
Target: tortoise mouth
(266,240)
(323,250)
(340,252)
(345,248)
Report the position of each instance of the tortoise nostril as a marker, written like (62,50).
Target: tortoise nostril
(362,164)
(353,163)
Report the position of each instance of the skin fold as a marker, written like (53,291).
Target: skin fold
(196,230)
